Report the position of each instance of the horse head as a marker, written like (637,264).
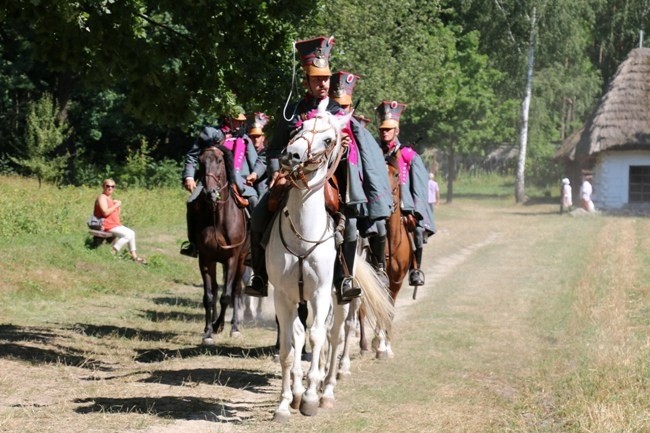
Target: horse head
(315,145)
(215,181)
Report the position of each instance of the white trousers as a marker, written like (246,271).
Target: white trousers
(124,235)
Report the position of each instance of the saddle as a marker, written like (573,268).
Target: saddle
(280,189)
(410,222)
(241,201)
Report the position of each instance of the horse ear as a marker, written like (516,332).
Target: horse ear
(322,106)
(342,118)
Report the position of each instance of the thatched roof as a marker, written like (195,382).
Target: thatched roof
(621,119)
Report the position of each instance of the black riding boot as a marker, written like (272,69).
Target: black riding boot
(343,281)
(258,286)
(377,246)
(416,276)
(189,248)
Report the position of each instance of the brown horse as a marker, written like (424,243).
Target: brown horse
(222,237)
(398,259)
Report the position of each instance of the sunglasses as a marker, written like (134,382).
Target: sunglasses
(109,186)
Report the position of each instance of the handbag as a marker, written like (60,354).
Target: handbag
(95,223)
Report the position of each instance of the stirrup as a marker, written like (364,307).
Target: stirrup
(416,277)
(258,288)
(189,249)
(383,276)
(347,291)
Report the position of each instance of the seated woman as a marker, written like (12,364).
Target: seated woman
(109,209)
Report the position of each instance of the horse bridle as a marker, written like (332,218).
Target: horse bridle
(220,187)
(220,201)
(396,193)
(299,171)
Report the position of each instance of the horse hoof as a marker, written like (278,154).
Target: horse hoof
(308,408)
(248,316)
(281,417)
(296,402)
(235,334)
(343,375)
(326,403)
(381,355)
(207,342)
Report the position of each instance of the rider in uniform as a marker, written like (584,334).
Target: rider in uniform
(413,177)
(314,56)
(363,187)
(259,177)
(231,136)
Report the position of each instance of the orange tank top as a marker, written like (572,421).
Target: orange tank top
(111,221)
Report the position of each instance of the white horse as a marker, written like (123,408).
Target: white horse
(300,257)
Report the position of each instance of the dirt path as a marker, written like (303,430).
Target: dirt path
(84,378)
(475,350)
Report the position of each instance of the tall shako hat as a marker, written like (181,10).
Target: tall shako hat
(342,86)
(315,55)
(259,122)
(389,113)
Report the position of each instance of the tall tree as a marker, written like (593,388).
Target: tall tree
(415,58)
(525,108)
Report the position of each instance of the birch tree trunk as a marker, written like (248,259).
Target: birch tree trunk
(520,193)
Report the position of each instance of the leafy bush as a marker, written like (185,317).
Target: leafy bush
(43,137)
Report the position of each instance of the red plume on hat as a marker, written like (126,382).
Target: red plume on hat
(389,113)
(315,55)
(342,86)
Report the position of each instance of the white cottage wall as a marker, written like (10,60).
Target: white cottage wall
(612,177)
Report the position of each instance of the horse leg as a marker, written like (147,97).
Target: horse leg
(317,334)
(363,338)
(285,316)
(248,300)
(237,302)
(258,313)
(335,340)
(219,319)
(350,328)
(208,301)
(297,373)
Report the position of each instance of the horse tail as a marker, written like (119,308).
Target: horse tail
(379,307)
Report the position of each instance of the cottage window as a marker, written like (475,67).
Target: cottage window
(640,184)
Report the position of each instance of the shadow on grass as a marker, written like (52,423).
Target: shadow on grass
(174,301)
(167,316)
(101,331)
(159,355)
(233,378)
(185,408)
(54,354)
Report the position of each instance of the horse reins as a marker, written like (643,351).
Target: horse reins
(219,201)
(299,174)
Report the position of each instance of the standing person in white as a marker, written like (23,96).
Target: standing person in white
(586,191)
(434,192)
(567,199)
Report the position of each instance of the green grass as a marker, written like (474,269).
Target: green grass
(530,322)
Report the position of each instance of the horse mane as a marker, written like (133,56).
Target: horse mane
(392,161)
(229,159)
